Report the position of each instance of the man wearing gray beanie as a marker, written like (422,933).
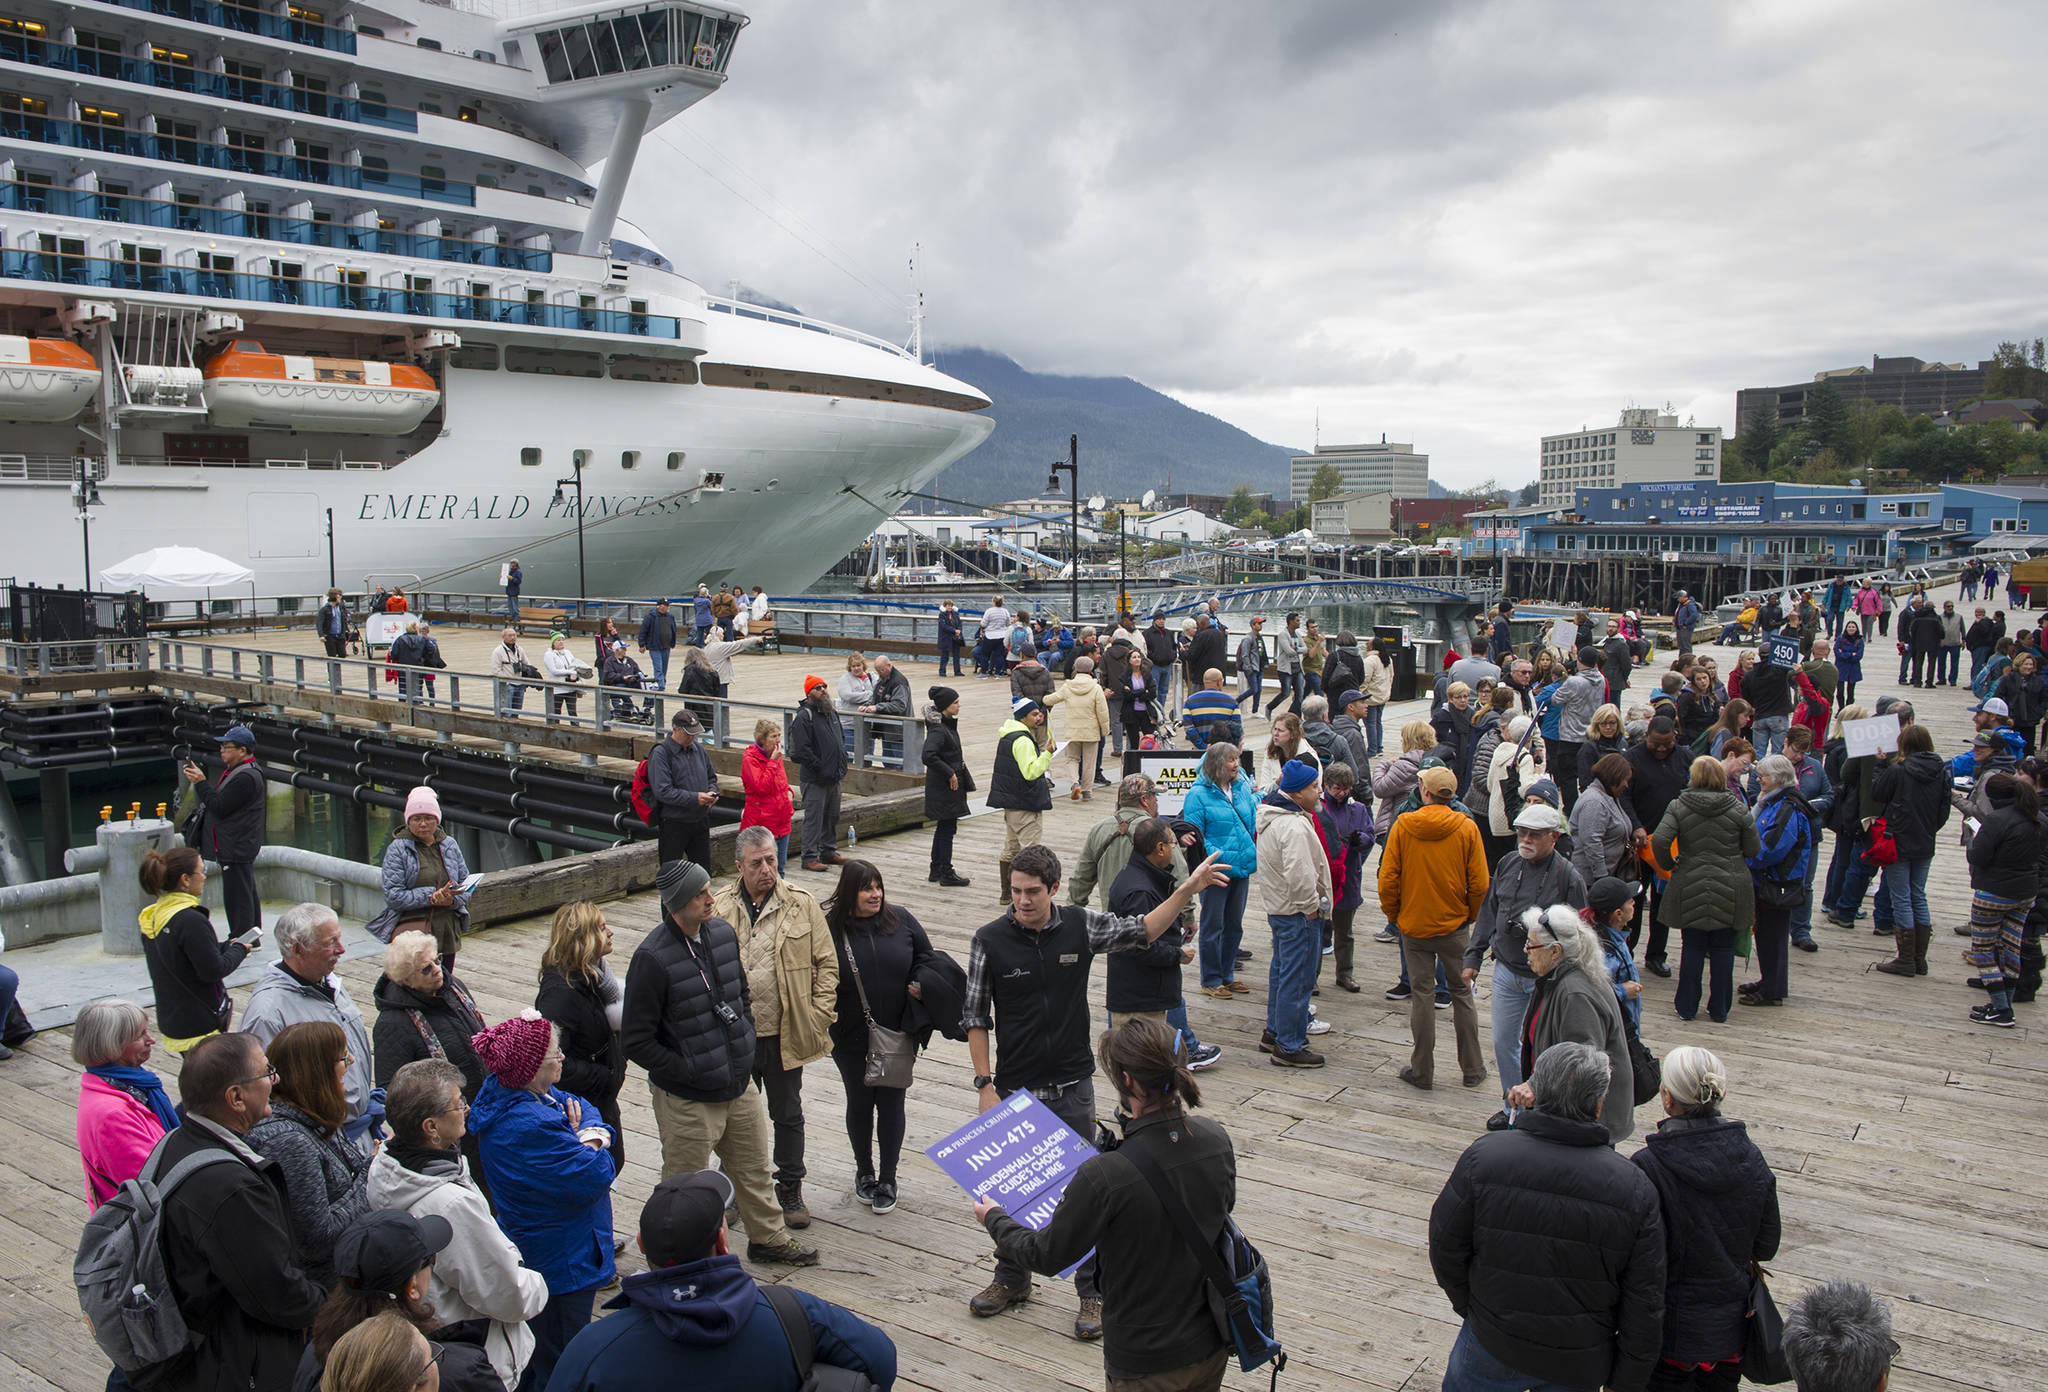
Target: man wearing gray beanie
(688,1020)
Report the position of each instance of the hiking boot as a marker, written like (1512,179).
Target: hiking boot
(1806,944)
(953,879)
(1300,1058)
(1003,873)
(1961,930)
(788,1252)
(791,1197)
(1088,1321)
(996,1297)
(1266,1042)
(1837,920)
(1901,965)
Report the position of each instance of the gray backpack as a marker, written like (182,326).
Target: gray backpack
(122,1284)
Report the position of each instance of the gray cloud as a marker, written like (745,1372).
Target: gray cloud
(1466,223)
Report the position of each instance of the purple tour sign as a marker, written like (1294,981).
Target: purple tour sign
(1019,1154)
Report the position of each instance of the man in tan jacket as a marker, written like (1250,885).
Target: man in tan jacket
(1294,885)
(793,976)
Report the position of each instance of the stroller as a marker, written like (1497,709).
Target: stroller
(622,671)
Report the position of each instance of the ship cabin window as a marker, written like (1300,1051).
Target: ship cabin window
(309,94)
(629,459)
(98,53)
(530,456)
(433,44)
(475,357)
(174,68)
(579,460)
(675,460)
(466,113)
(240,81)
(369,31)
(431,108)
(551,362)
(376,169)
(245,151)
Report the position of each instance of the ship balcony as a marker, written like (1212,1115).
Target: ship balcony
(21,196)
(292,23)
(304,98)
(304,167)
(88,273)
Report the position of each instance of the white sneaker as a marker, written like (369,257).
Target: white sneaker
(1316,1026)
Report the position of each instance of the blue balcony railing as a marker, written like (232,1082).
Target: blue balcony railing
(89,273)
(248,20)
(229,222)
(86,135)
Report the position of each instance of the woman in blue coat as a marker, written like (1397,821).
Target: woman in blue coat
(544,1152)
(1224,805)
(1849,661)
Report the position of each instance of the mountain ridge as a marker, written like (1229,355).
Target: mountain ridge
(1133,437)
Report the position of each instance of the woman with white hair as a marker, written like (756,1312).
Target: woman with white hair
(1516,762)
(1574,1003)
(1780,870)
(123,1109)
(422,1012)
(1720,1207)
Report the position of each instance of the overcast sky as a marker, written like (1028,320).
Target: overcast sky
(1464,224)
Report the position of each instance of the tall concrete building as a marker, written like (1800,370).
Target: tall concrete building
(1916,387)
(1642,447)
(1380,468)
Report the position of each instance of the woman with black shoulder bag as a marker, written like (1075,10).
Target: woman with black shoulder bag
(881,947)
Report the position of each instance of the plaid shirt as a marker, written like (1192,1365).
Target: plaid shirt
(1106,933)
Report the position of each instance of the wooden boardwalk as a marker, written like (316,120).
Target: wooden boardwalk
(1907,1142)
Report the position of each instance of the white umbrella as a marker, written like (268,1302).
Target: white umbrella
(175,567)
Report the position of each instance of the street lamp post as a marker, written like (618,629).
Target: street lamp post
(575,480)
(85,494)
(330,548)
(1072,466)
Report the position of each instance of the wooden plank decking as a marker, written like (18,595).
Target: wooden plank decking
(1908,1146)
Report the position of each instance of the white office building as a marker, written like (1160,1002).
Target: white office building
(1642,447)
(1386,467)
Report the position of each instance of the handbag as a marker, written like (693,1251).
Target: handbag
(892,1054)
(1240,1290)
(1763,1335)
(1648,1074)
(1882,850)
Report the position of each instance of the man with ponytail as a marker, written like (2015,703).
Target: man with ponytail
(1157,1329)
(188,964)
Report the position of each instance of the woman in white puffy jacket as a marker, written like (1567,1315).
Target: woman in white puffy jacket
(1526,758)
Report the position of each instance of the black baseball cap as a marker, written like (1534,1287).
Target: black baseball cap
(1609,893)
(680,1220)
(386,1247)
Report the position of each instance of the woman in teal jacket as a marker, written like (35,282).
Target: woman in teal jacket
(1224,804)
(544,1152)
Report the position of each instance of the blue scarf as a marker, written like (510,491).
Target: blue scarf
(144,1086)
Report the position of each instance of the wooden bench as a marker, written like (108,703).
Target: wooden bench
(546,618)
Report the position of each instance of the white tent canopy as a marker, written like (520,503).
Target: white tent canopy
(175,567)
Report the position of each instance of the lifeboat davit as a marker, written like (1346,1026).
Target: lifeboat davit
(45,379)
(247,386)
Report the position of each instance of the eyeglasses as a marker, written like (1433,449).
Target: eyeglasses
(268,1075)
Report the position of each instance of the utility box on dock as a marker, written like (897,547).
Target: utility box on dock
(121,896)
(1399,655)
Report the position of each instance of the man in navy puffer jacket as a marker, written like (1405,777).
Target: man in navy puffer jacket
(696,1319)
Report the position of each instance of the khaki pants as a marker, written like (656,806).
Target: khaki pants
(1021,829)
(1084,752)
(1422,955)
(737,1131)
(1205,1376)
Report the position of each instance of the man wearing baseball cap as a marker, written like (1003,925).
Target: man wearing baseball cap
(1531,876)
(1433,882)
(684,789)
(1019,785)
(817,745)
(231,824)
(696,1319)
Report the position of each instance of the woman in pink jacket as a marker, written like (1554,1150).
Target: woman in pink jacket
(123,1110)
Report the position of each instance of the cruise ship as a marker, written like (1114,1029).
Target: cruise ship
(349,286)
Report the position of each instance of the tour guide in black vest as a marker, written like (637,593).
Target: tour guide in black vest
(1027,975)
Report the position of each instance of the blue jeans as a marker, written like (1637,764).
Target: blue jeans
(1512,993)
(512,607)
(1770,735)
(1856,878)
(1288,688)
(1472,1369)
(1162,683)
(1297,953)
(1254,683)
(1905,886)
(1222,921)
(1978,657)
(1375,716)
(10,986)
(782,853)
(657,658)
(1802,915)
(701,635)
(511,697)
(1951,660)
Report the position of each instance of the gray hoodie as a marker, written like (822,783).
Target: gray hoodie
(1581,695)
(279,999)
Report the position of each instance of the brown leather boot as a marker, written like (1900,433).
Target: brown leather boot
(1003,870)
(1902,965)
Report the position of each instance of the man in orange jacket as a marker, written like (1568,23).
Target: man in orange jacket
(1433,879)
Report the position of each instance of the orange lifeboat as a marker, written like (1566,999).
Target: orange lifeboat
(45,379)
(247,386)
